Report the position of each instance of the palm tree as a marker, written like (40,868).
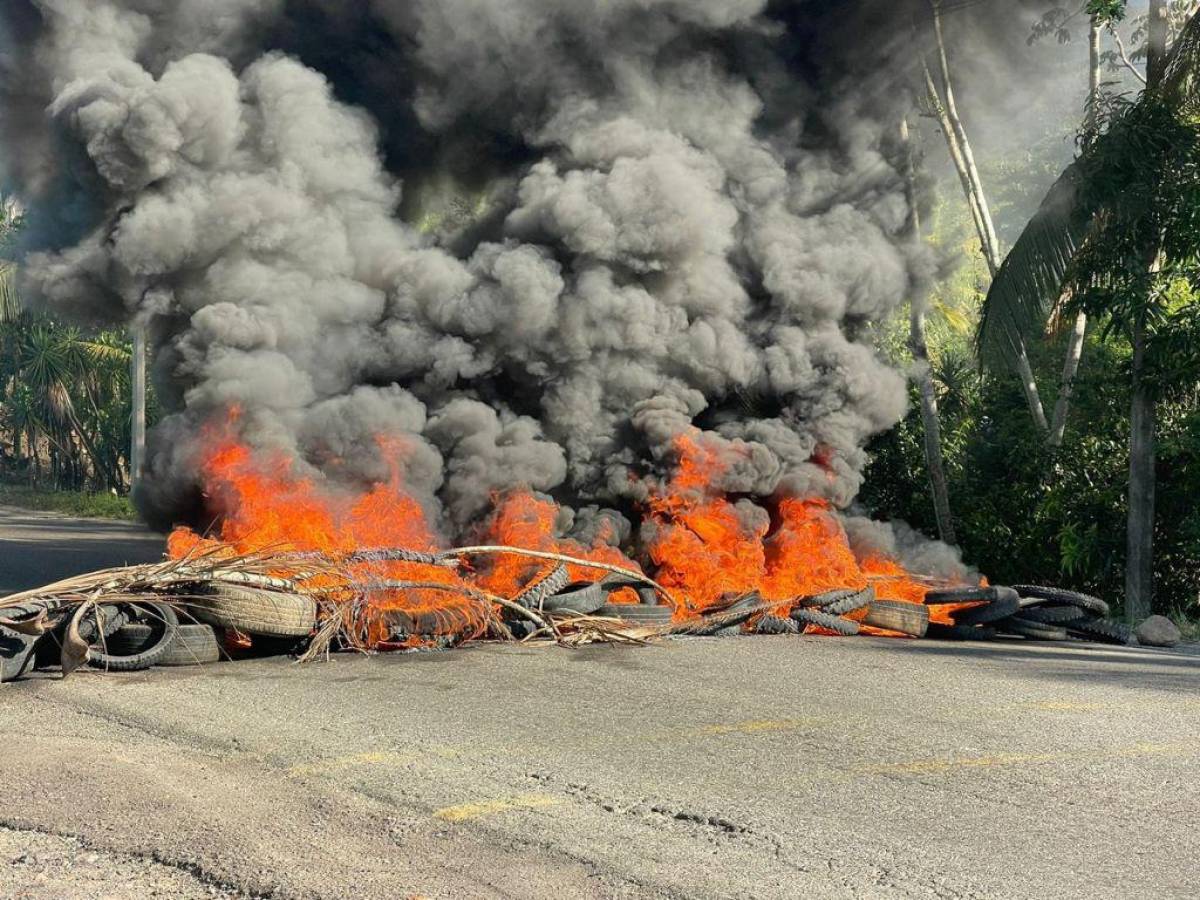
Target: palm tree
(1113,232)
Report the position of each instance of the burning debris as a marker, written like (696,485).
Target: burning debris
(291,569)
(213,601)
(566,338)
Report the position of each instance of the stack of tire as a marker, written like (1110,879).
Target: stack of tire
(1027,611)
(830,610)
(129,637)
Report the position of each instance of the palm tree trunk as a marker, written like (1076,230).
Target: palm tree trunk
(1139,564)
(1066,388)
(963,157)
(918,344)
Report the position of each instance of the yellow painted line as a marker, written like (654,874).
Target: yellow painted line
(466,812)
(936,766)
(370,758)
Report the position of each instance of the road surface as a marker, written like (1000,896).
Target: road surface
(760,767)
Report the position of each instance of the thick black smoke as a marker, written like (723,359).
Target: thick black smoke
(537,239)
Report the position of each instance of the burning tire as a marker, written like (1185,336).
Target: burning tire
(825,620)
(584,599)
(1036,631)
(895,615)
(534,594)
(960,632)
(1091,604)
(1007,603)
(961,595)
(770,624)
(638,613)
(194,645)
(163,625)
(255,611)
(841,602)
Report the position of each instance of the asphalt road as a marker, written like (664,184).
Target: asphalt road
(37,548)
(736,767)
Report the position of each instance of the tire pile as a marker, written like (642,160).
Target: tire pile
(205,621)
(830,611)
(1027,611)
(130,637)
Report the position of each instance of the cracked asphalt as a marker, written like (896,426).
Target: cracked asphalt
(737,767)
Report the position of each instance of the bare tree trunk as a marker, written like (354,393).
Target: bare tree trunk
(991,245)
(1139,564)
(918,344)
(1066,389)
(946,109)
(137,449)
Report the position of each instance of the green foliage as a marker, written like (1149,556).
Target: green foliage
(65,405)
(1027,514)
(71,503)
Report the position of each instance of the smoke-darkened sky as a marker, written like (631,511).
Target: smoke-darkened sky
(536,240)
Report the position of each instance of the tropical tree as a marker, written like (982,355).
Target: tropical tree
(64,394)
(1118,238)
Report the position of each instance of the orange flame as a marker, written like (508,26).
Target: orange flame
(706,548)
(704,544)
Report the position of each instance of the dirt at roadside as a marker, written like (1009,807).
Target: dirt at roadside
(37,866)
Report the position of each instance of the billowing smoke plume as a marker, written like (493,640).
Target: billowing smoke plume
(536,239)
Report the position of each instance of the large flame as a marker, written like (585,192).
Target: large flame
(705,546)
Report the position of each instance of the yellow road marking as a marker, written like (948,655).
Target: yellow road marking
(465,812)
(934,766)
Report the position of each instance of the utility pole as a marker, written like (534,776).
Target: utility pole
(137,449)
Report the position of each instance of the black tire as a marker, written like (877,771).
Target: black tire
(723,622)
(255,611)
(165,625)
(1087,602)
(1007,603)
(896,615)
(1036,631)
(543,585)
(17,651)
(1054,615)
(848,600)
(1102,631)
(111,618)
(961,595)
(638,613)
(771,624)
(826,621)
(194,645)
(942,632)
(583,599)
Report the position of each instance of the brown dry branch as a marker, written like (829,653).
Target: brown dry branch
(487,549)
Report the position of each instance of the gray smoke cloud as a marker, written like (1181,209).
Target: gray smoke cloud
(536,240)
